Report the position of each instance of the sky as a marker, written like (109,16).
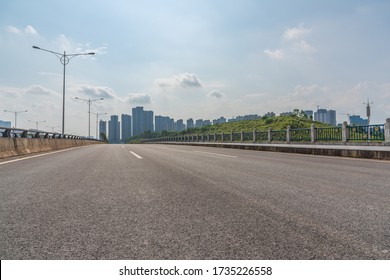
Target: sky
(193,59)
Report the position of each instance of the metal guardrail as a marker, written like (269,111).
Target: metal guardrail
(374,132)
(329,134)
(368,133)
(6,132)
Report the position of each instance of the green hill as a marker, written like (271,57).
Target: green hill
(276,123)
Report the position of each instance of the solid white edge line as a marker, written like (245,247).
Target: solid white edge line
(134,154)
(40,155)
(222,155)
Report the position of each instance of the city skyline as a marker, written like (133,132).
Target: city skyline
(199,59)
(129,126)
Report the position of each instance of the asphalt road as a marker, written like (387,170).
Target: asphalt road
(183,202)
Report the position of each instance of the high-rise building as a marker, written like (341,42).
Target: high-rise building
(206,122)
(190,123)
(149,126)
(5,124)
(199,123)
(102,129)
(142,121)
(325,116)
(220,120)
(114,130)
(180,125)
(331,119)
(126,127)
(322,115)
(163,123)
(357,120)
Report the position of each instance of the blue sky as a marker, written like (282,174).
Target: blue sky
(199,59)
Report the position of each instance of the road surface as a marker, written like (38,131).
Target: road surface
(184,202)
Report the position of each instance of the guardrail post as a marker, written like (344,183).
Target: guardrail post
(344,132)
(313,132)
(254,136)
(7,133)
(222,137)
(242,136)
(387,131)
(288,133)
(269,134)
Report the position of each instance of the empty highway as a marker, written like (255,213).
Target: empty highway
(185,202)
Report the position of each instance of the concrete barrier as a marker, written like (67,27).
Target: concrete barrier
(23,146)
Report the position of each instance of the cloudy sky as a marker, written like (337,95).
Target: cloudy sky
(199,59)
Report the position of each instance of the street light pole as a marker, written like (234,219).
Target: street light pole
(64,59)
(36,123)
(97,119)
(89,101)
(16,115)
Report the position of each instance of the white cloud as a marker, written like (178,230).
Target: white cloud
(304,46)
(64,43)
(216,94)
(295,33)
(295,42)
(40,90)
(138,98)
(30,30)
(97,91)
(87,48)
(276,54)
(185,80)
(13,29)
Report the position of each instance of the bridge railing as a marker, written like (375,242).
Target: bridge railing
(379,133)
(6,132)
(374,132)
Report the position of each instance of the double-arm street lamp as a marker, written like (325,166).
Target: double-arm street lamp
(37,123)
(64,59)
(16,115)
(89,101)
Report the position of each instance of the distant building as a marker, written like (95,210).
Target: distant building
(163,123)
(206,122)
(269,115)
(180,126)
(142,121)
(220,120)
(325,116)
(5,124)
(190,123)
(102,129)
(309,114)
(244,118)
(199,123)
(357,120)
(126,127)
(114,130)
(332,117)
